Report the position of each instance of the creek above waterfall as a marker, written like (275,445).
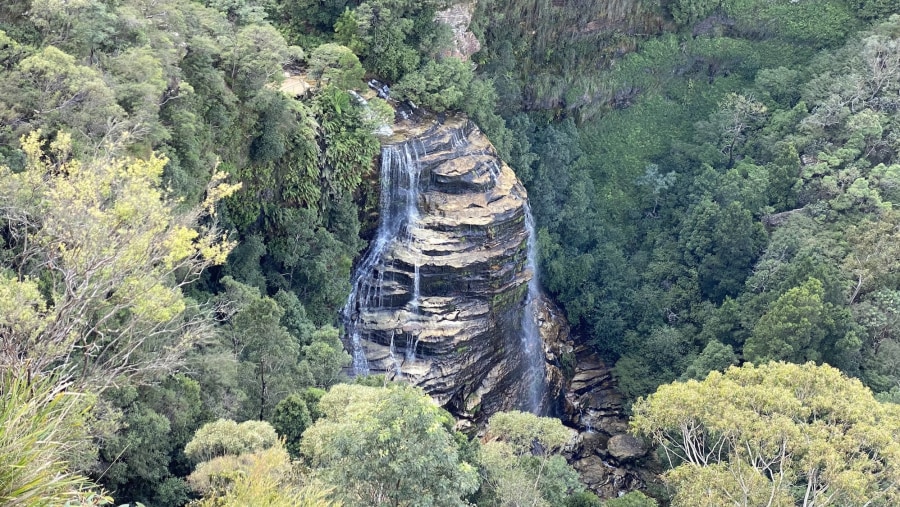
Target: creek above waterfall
(446,295)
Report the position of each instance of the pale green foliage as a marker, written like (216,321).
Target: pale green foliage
(728,127)
(211,475)
(523,430)
(631,499)
(50,90)
(226,437)
(254,56)
(112,256)
(879,315)
(41,424)
(138,83)
(242,11)
(325,358)
(22,312)
(387,446)
(785,433)
(263,478)
(379,114)
(521,462)
(873,252)
(725,484)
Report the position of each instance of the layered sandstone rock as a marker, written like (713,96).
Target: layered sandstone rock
(438,300)
(608,459)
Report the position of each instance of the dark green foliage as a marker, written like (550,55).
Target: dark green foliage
(266,351)
(583,499)
(290,420)
(348,147)
(877,315)
(306,258)
(295,212)
(392,36)
(144,461)
(244,262)
(654,359)
(714,181)
(294,414)
(873,9)
(294,318)
(725,244)
(306,20)
(716,356)
(439,85)
(674,236)
(336,65)
(690,11)
(793,328)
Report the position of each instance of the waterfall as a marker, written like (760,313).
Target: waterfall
(494,170)
(398,210)
(411,344)
(397,371)
(532,344)
(447,294)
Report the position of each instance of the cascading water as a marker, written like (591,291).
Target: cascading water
(399,210)
(439,298)
(532,343)
(397,365)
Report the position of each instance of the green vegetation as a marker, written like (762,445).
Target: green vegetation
(387,446)
(715,183)
(777,434)
(706,218)
(513,474)
(42,429)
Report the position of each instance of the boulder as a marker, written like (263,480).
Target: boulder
(625,447)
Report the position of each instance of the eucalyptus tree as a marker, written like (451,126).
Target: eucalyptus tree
(778,434)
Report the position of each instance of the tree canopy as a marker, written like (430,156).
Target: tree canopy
(775,434)
(387,446)
(714,183)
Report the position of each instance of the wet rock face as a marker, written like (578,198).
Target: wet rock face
(607,458)
(439,297)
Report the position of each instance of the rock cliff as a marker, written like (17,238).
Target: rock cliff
(446,298)
(439,298)
(458,17)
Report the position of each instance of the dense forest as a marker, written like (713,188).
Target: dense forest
(712,183)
